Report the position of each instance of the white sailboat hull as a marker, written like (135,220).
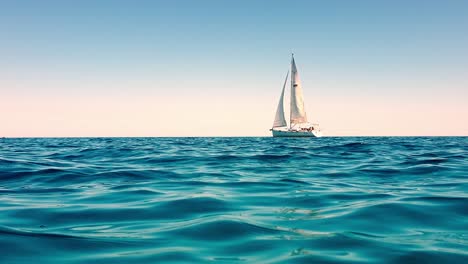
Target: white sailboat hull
(293,133)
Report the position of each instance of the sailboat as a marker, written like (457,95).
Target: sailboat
(298,123)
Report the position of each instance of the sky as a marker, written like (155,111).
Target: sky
(216,68)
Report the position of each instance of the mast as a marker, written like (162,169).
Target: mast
(291,99)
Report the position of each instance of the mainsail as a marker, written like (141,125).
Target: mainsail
(298,114)
(280,120)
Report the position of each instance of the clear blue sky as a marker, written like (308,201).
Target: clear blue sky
(381,51)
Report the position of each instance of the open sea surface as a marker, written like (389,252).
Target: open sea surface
(234,200)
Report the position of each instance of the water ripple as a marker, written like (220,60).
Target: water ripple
(234,200)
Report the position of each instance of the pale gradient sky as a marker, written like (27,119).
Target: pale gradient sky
(215,68)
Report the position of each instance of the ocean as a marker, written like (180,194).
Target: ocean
(234,200)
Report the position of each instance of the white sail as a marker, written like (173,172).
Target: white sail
(280,120)
(298,114)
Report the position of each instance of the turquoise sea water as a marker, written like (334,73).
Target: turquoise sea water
(234,200)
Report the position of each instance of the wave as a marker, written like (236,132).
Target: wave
(251,200)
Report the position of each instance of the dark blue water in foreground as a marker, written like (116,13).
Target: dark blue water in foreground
(234,200)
